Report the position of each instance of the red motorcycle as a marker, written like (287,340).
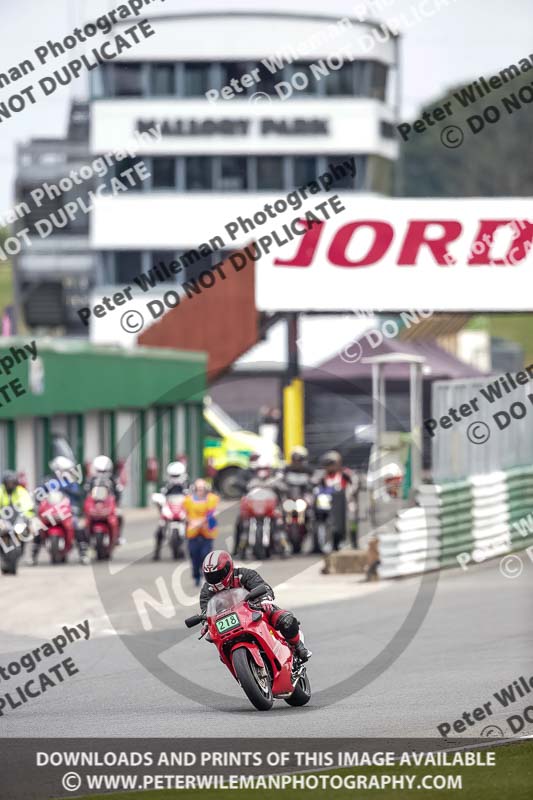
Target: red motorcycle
(173,521)
(260,529)
(257,656)
(100,510)
(57,526)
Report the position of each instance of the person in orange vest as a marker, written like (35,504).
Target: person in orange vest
(202,526)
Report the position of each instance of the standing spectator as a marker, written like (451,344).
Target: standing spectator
(202,526)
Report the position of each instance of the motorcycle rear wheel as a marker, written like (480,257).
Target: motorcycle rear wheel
(258,690)
(10,564)
(302,692)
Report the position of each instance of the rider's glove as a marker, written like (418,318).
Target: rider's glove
(263,604)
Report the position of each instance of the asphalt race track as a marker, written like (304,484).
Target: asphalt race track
(380,667)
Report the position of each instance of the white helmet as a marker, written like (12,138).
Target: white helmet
(61,464)
(102,466)
(176,472)
(263,467)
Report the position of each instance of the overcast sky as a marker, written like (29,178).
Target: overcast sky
(467,39)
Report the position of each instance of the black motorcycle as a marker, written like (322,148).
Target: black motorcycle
(12,533)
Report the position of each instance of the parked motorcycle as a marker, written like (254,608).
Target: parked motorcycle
(259,528)
(257,656)
(56,526)
(100,510)
(173,520)
(12,533)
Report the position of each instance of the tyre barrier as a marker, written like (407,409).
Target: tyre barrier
(461,522)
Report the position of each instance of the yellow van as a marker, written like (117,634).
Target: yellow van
(227,449)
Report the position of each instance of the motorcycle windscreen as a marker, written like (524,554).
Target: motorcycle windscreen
(225,601)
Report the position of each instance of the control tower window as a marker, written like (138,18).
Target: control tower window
(163,173)
(378,81)
(235,69)
(198,174)
(340,82)
(128,264)
(305,170)
(197,79)
(233,174)
(128,80)
(162,80)
(269,173)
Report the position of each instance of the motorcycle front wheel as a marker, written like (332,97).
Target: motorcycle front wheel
(257,688)
(175,545)
(57,554)
(302,692)
(102,550)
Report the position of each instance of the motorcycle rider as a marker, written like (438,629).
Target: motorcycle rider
(241,483)
(337,478)
(177,483)
(64,471)
(202,527)
(220,573)
(264,477)
(103,473)
(14,495)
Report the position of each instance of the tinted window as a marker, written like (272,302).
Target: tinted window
(163,173)
(346,181)
(340,82)
(199,173)
(268,80)
(379,79)
(300,85)
(362,70)
(133,182)
(235,69)
(233,174)
(305,170)
(162,79)
(158,257)
(128,80)
(270,173)
(196,79)
(128,264)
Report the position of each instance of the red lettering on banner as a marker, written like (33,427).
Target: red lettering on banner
(306,251)
(383,236)
(415,238)
(518,249)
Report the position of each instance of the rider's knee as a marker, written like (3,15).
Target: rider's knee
(287,625)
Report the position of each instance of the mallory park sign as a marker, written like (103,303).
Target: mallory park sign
(237,127)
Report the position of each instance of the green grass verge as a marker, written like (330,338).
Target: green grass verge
(6,285)
(511,777)
(513,327)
